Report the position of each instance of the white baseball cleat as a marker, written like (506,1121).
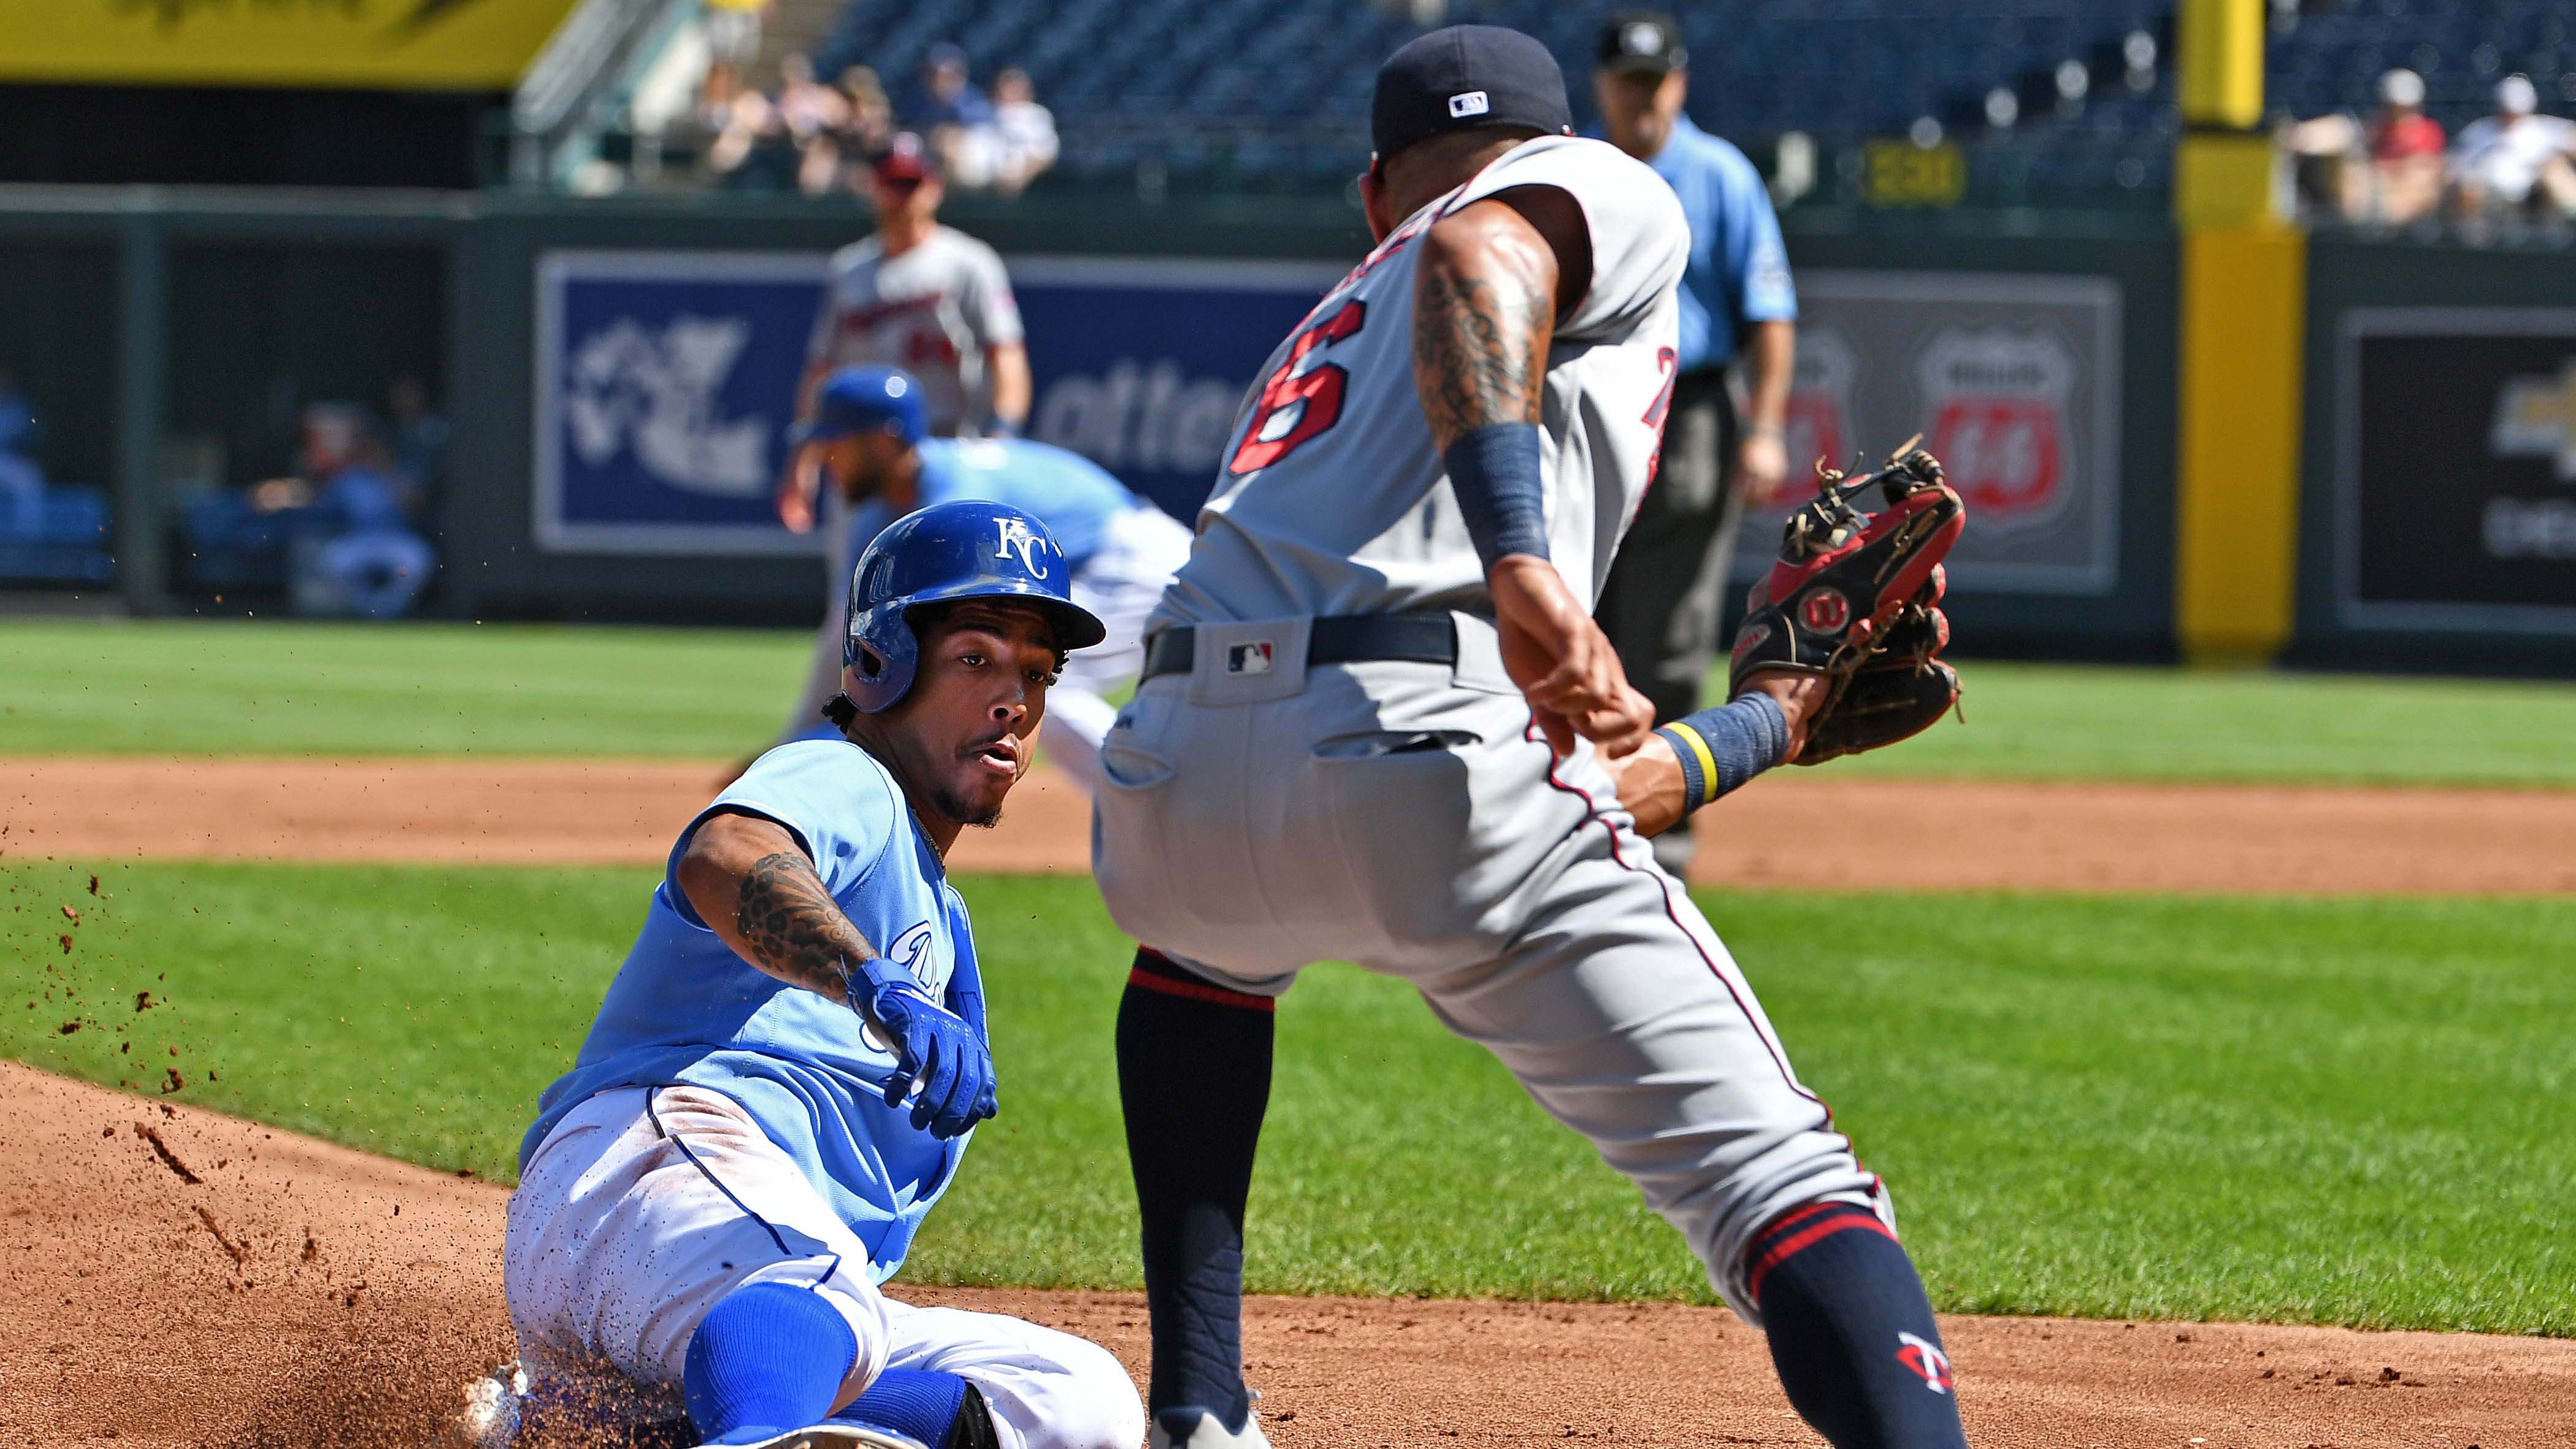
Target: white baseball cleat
(1207,1432)
(491,1416)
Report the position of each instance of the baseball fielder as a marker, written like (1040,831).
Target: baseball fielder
(923,297)
(786,1070)
(1372,728)
(867,436)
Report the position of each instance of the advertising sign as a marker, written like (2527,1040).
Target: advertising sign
(666,382)
(393,44)
(1139,363)
(2013,383)
(2456,488)
(665,385)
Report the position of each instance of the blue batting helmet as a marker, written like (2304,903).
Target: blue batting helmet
(969,549)
(870,399)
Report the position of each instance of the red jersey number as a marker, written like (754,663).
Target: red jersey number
(1315,395)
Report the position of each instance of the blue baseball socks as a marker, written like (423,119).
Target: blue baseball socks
(938,1409)
(767,1360)
(1851,1332)
(771,1358)
(1194,1079)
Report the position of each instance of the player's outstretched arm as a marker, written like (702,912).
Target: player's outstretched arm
(756,889)
(1488,287)
(1691,762)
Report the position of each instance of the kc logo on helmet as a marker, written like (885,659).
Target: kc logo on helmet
(1017,537)
(1470,103)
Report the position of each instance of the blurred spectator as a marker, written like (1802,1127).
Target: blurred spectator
(344,523)
(733,43)
(22,473)
(753,152)
(1020,142)
(2386,169)
(812,115)
(419,436)
(2516,159)
(947,97)
(868,131)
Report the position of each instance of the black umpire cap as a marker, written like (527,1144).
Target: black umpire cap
(1463,77)
(1642,42)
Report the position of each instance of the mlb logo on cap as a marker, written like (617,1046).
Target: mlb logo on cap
(1470,103)
(1252,658)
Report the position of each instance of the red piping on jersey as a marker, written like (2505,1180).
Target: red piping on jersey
(1592,812)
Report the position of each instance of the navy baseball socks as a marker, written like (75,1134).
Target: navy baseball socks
(770,1359)
(1851,1332)
(1194,1080)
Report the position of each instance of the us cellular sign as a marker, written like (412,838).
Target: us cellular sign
(2456,474)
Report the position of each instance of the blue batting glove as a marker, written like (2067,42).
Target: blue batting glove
(966,998)
(934,1047)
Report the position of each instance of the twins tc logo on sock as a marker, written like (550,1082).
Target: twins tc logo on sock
(1926,1359)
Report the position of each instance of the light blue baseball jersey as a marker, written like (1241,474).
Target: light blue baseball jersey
(1739,270)
(685,1008)
(1073,496)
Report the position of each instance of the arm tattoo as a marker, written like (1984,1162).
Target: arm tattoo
(1480,339)
(794,930)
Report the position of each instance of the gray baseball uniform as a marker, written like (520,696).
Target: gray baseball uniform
(931,311)
(1256,814)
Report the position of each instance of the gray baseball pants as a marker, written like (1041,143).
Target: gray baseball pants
(1407,817)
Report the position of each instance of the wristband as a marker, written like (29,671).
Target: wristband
(1720,749)
(1495,473)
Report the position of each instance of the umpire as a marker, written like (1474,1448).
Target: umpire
(1662,604)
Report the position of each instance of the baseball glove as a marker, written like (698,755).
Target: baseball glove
(1855,597)
(1899,693)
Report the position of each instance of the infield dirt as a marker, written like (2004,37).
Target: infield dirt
(1950,834)
(180,1278)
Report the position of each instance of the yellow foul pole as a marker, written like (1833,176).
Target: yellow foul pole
(2244,293)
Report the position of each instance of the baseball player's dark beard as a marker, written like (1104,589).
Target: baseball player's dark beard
(955,808)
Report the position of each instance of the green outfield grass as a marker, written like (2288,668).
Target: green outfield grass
(2345,1112)
(260,688)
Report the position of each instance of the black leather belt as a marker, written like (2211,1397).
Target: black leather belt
(1333,639)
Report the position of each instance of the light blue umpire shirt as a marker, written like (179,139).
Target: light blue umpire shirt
(1738,272)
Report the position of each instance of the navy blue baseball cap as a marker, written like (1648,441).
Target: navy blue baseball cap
(868,399)
(1463,77)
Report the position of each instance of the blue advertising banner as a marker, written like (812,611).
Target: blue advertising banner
(665,384)
(666,381)
(1139,363)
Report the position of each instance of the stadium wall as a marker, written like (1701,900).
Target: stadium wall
(2037,352)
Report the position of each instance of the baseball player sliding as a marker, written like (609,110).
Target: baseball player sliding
(786,1070)
(867,438)
(1374,723)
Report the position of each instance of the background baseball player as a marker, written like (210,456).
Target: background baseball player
(1364,734)
(923,297)
(867,440)
(1665,599)
(785,1071)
